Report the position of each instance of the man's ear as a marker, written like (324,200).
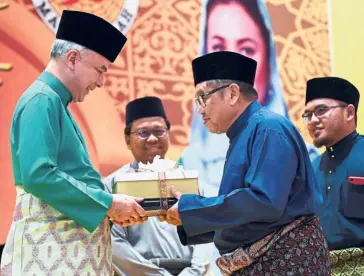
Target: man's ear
(351,112)
(71,57)
(234,94)
(127,140)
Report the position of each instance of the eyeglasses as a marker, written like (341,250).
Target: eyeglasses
(145,134)
(319,112)
(99,71)
(201,99)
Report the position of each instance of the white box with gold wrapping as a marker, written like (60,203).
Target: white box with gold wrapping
(153,182)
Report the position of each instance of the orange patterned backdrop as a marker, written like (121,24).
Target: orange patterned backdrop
(156,61)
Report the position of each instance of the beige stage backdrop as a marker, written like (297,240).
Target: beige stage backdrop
(163,37)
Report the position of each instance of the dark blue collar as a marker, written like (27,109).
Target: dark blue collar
(57,86)
(334,156)
(240,122)
(345,143)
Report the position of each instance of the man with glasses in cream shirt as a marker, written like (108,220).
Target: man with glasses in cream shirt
(154,248)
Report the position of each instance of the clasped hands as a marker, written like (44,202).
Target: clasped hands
(172,216)
(126,211)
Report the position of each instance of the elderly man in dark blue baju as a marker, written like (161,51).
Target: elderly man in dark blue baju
(263,220)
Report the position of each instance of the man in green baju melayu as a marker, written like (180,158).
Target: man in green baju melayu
(61,219)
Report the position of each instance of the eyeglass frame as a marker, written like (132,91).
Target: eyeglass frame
(307,120)
(98,70)
(150,132)
(200,99)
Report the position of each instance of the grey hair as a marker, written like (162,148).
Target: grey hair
(61,47)
(247,90)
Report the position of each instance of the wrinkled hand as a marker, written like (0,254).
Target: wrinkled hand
(125,210)
(172,216)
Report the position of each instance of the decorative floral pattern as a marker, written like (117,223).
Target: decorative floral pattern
(297,249)
(43,241)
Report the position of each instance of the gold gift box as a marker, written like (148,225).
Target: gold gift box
(156,193)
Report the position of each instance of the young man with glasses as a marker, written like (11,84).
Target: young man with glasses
(262,221)
(151,248)
(331,115)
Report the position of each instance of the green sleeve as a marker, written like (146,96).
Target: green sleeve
(39,142)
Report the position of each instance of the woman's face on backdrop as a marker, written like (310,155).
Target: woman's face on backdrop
(231,28)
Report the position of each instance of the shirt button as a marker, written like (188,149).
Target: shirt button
(332,156)
(330,172)
(329,188)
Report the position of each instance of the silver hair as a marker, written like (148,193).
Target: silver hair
(61,47)
(246,89)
